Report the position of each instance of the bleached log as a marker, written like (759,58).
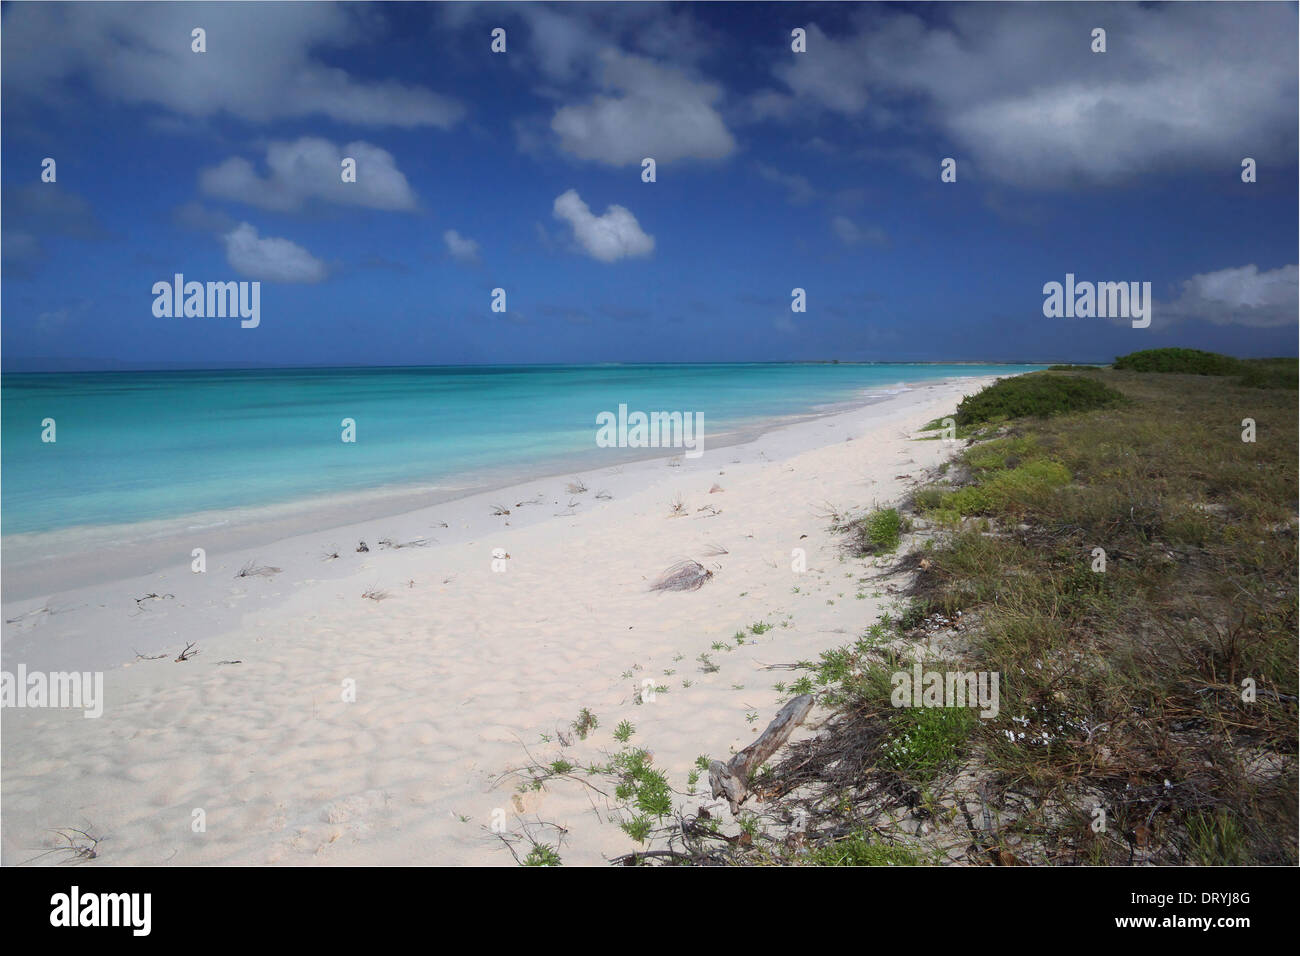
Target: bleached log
(731,779)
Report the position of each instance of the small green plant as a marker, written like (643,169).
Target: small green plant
(624,731)
(1217,839)
(923,741)
(858,850)
(638,828)
(585,723)
(542,855)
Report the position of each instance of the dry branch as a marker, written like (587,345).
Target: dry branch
(732,778)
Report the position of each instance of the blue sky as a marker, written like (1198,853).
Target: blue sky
(522,171)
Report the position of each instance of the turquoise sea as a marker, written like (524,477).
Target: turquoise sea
(140,446)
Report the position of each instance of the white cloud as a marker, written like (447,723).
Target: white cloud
(1017,89)
(850,233)
(610,237)
(259,64)
(1238,296)
(562,41)
(309,168)
(798,188)
(274,260)
(459,247)
(660,112)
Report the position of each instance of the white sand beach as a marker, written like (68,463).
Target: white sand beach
(458,668)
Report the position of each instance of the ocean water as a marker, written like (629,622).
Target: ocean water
(143,446)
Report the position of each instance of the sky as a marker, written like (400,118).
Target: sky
(522,170)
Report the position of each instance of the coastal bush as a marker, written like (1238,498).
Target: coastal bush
(877,533)
(1035,395)
(1137,595)
(1010,492)
(1183,361)
(1252,373)
(1155,582)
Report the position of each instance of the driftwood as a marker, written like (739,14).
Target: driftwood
(732,778)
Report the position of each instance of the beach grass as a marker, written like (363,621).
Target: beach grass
(1128,567)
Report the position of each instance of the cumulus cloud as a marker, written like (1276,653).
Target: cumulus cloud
(270,259)
(610,237)
(310,168)
(563,40)
(659,111)
(1238,296)
(459,247)
(260,63)
(1018,90)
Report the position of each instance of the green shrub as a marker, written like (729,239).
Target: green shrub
(1253,373)
(858,850)
(1184,361)
(924,740)
(878,532)
(1037,394)
(1014,490)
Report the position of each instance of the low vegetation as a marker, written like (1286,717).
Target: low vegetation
(1253,373)
(877,533)
(1128,568)
(1036,395)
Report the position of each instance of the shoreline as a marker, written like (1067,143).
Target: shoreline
(459,670)
(42,563)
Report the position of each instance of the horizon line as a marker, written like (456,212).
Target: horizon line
(483,365)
